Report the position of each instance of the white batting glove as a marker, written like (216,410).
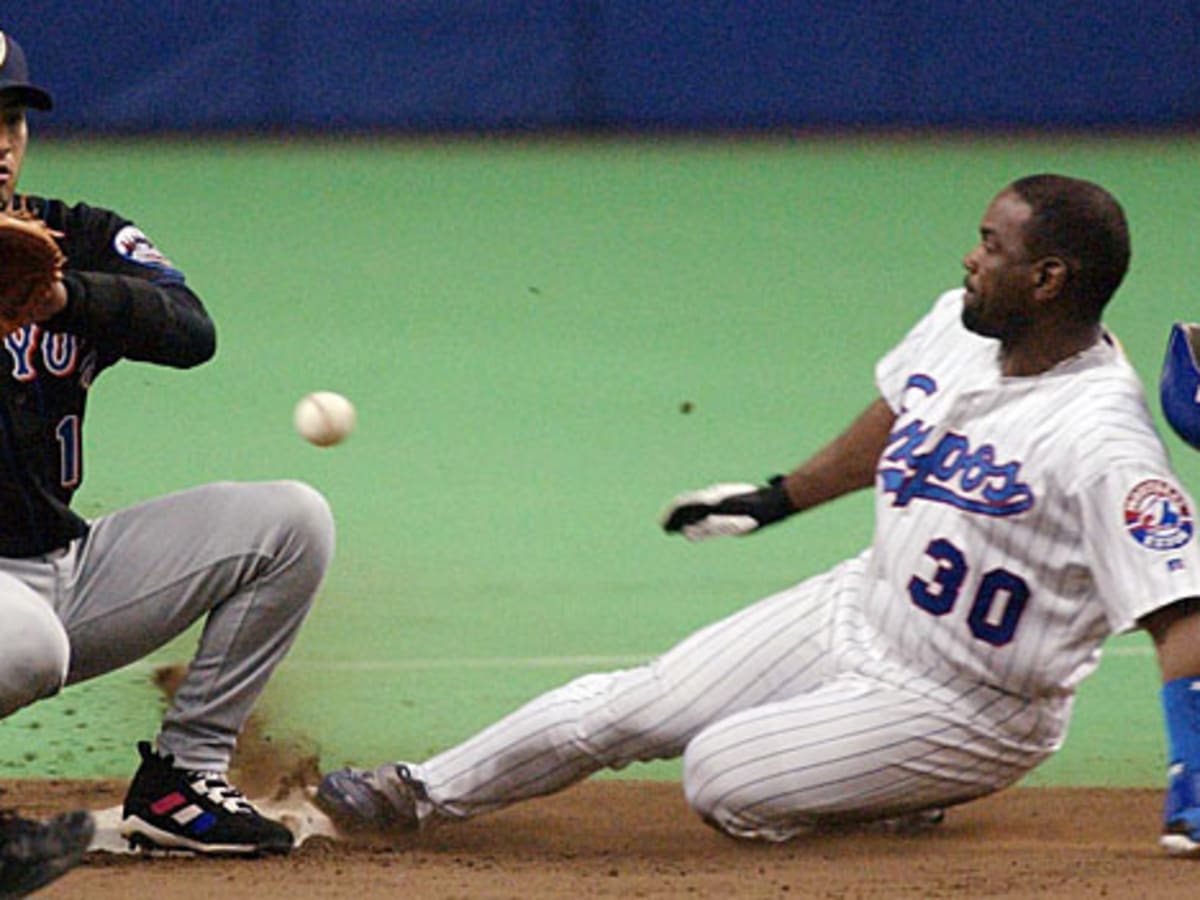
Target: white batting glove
(722,510)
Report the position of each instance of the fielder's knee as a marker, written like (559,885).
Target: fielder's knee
(34,653)
(307,518)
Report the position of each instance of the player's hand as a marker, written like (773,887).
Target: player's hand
(41,302)
(31,270)
(727,509)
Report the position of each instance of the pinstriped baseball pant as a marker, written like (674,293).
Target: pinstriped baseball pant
(783,722)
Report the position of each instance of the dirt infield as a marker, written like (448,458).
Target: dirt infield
(638,839)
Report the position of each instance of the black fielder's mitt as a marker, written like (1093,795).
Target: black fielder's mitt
(30,262)
(32,854)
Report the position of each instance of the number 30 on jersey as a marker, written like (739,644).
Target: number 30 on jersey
(998,602)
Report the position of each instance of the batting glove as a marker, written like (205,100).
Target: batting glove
(727,509)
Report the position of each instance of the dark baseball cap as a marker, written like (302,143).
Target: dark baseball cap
(14,77)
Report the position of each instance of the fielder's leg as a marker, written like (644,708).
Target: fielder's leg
(34,650)
(249,557)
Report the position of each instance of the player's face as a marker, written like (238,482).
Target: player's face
(1000,277)
(14,137)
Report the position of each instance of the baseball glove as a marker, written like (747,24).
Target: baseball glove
(30,263)
(32,853)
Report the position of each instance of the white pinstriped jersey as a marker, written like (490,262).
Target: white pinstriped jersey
(1019,520)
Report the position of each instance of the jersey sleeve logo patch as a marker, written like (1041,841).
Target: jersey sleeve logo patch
(1157,515)
(132,243)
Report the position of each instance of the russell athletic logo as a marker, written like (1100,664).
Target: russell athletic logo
(1157,515)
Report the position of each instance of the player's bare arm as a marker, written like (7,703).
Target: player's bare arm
(845,465)
(1176,633)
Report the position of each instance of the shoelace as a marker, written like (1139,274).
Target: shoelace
(215,788)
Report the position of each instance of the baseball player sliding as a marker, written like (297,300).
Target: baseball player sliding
(79,598)
(1025,510)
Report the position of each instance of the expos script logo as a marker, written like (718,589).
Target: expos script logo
(949,471)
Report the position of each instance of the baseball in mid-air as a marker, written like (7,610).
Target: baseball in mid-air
(324,418)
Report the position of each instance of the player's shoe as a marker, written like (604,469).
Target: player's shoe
(364,800)
(911,823)
(1181,816)
(169,808)
(33,854)
(904,824)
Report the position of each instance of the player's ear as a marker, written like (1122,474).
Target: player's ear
(1050,277)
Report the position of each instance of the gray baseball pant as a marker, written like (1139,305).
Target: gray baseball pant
(249,556)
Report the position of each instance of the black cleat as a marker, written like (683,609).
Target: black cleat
(169,808)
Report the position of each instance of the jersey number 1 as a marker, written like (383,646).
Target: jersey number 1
(69,455)
(999,600)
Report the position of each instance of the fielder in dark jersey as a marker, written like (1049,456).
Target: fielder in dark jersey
(123,300)
(80,598)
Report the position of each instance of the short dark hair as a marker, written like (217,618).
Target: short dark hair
(1083,223)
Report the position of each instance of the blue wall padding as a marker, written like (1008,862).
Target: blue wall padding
(436,65)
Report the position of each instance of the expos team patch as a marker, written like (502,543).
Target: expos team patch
(1157,515)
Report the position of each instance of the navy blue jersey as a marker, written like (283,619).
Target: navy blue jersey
(125,301)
